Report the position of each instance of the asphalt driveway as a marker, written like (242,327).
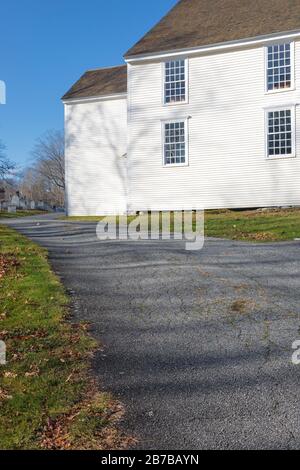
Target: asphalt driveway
(197,345)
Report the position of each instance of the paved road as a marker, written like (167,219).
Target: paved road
(197,345)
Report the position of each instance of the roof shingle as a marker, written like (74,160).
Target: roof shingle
(196,23)
(99,82)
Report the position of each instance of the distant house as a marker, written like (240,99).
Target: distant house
(205,114)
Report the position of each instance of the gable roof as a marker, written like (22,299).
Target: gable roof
(196,23)
(99,82)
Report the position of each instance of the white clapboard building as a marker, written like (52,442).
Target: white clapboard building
(203,114)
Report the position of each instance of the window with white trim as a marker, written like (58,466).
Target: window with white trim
(281,133)
(279,67)
(175,143)
(175,82)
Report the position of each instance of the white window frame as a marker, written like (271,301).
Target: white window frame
(280,90)
(291,108)
(186,72)
(186,130)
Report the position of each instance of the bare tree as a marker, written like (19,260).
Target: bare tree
(36,187)
(49,155)
(6,166)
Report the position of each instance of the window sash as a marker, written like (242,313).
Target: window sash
(280,132)
(279,67)
(175,80)
(175,149)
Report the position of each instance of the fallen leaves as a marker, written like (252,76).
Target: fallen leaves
(10,375)
(55,435)
(261,236)
(34,371)
(23,335)
(7,262)
(4,395)
(60,433)
(255,236)
(239,306)
(242,306)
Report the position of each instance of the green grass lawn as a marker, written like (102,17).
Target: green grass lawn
(247,225)
(7,215)
(257,226)
(48,399)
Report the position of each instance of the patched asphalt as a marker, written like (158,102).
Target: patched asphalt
(196,345)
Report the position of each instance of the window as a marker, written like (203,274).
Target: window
(281,133)
(279,67)
(175,143)
(175,82)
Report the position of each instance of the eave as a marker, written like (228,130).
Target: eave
(214,48)
(116,96)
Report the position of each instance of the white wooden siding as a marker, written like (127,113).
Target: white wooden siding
(227,157)
(96,142)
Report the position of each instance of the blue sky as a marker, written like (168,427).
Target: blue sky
(45,45)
